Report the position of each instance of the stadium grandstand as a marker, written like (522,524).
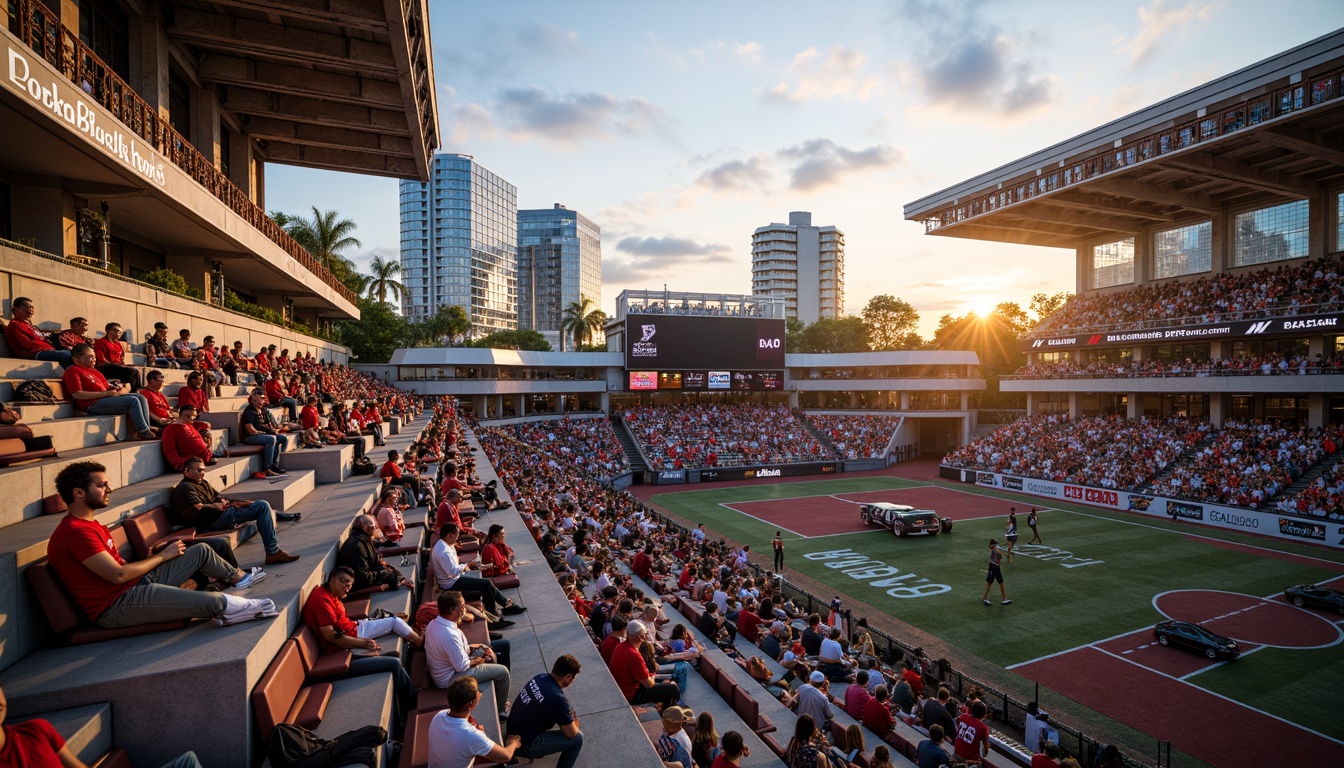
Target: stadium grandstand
(1207,231)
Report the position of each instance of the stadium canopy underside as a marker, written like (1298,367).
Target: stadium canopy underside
(1269,133)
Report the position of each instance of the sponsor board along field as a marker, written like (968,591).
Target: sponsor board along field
(1084,602)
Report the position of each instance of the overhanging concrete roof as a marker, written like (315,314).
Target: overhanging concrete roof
(1263,134)
(344,85)
(857,359)
(476,356)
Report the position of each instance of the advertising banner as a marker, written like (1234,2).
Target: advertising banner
(666,476)
(1268,523)
(1277,326)
(679,342)
(719,474)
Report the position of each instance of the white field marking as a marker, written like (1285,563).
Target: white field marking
(1197,536)
(1227,699)
(767,522)
(1218,664)
(1077,648)
(813,496)
(1339,636)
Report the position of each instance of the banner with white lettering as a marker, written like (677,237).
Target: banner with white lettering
(1264,522)
(1300,325)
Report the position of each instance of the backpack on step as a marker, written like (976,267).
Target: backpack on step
(34,391)
(293,746)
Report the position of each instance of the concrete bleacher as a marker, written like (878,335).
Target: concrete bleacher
(123,692)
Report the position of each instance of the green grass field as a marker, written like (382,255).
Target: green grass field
(1055,607)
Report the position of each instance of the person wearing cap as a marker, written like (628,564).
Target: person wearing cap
(632,675)
(815,699)
(159,349)
(671,747)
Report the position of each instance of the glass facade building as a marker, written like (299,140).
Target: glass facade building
(802,264)
(559,261)
(459,244)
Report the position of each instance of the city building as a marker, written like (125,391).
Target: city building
(559,263)
(802,264)
(458,235)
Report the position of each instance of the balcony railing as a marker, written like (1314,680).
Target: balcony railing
(1253,111)
(43,32)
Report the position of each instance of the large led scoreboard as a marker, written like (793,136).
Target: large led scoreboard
(703,354)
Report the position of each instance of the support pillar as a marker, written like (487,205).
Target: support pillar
(205,123)
(905,400)
(1216,401)
(1073,406)
(1134,408)
(1032,403)
(853,400)
(243,166)
(519,404)
(1316,410)
(45,216)
(149,62)
(965,401)
(560,403)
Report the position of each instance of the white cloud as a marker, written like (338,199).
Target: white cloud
(1158,23)
(820,163)
(571,119)
(755,172)
(811,76)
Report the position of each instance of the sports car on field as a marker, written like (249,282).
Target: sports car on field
(1312,596)
(904,520)
(1192,637)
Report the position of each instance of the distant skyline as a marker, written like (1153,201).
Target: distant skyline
(681,129)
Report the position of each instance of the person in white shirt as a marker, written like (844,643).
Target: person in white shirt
(454,742)
(450,656)
(451,574)
(834,664)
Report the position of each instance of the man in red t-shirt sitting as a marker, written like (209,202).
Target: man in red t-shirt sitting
(94,395)
(182,441)
(972,741)
(275,395)
(112,357)
(115,593)
(26,340)
(392,475)
(632,675)
(325,613)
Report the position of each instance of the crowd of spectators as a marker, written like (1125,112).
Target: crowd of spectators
(1102,451)
(1249,461)
(1311,286)
(590,444)
(856,437)
(1245,365)
(1323,498)
(717,435)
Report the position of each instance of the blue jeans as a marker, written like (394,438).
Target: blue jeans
(272,446)
(373,665)
(258,512)
(291,405)
(134,406)
(165,362)
(61,356)
(551,742)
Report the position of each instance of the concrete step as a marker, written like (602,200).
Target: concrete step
(75,432)
(282,492)
(331,463)
(87,730)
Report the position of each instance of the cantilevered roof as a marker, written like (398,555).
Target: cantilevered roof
(1271,132)
(344,85)
(476,356)
(859,359)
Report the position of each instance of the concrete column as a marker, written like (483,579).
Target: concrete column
(1143,256)
(1031,404)
(1083,271)
(560,403)
(853,399)
(519,403)
(1073,405)
(205,123)
(1316,408)
(965,430)
(259,193)
(1218,349)
(1318,231)
(1316,346)
(242,170)
(1139,354)
(905,400)
(149,62)
(793,399)
(66,10)
(1132,406)
(478,404)
(605,402)
(1216,401)
(46,216)
(965,401)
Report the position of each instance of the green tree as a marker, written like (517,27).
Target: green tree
(379,332)
(793,335)
(448,323)
(892,323)
(527,340)
(581,320)
(847,334)
(993,338)
(383,280)
(326,236)
(1046,304)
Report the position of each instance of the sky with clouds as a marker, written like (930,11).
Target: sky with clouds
(679,128)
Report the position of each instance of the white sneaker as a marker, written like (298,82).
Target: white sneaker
(237,610)
(250,579)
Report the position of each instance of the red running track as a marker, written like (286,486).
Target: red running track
(1196,721)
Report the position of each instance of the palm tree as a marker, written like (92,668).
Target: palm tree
(325,236)
(580,321)
(383,280)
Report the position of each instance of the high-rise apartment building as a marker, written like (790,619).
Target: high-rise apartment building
(458,244)
(802,264)
(559,261)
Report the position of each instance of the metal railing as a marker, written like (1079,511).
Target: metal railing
(1253,111)
(44,33)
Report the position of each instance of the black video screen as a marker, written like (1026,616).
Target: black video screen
(682,342)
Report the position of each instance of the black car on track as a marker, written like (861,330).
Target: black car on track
(1192,637)
(1313,596)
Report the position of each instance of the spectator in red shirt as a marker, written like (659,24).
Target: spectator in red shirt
(26,341)
(972,742)
(94,395)
(77,333)
(615,637)
(325,613)
(391,473)
(115,593)
(1048,757)
(877,716)
(913,677)
(632,675)
(194,394)
(182,441)
(275,395)
(496,556)
(112,358)
(160,413)
(311,422)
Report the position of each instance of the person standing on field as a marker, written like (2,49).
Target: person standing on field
(1011,532)
(994,574)
(1031,523)
(778,544)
